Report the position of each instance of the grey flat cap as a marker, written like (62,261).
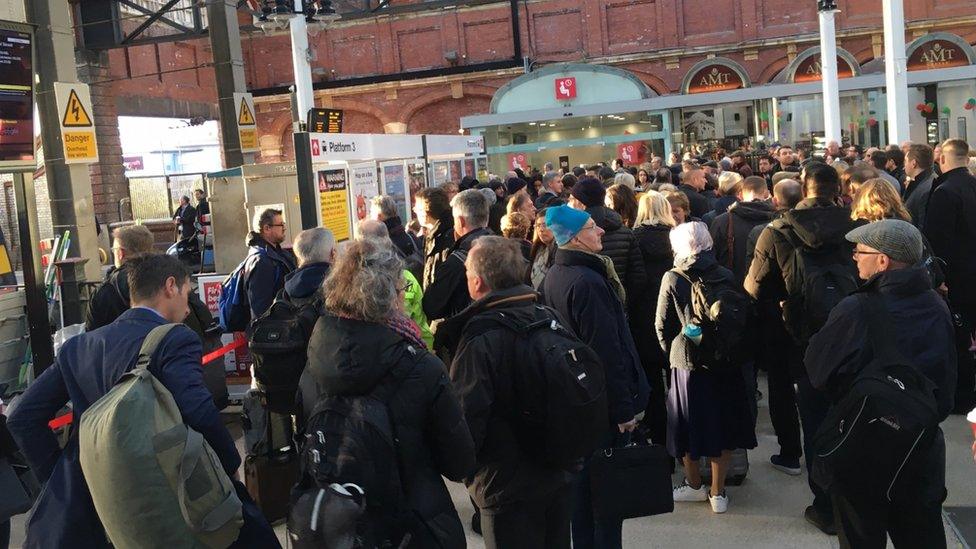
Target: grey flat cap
(897,239)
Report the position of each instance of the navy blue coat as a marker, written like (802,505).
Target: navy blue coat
(577,287)
(265,273)
(87,367)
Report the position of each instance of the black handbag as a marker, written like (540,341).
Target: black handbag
(630,482)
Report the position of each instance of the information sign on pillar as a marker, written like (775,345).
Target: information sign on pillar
(247,126)
(77,123)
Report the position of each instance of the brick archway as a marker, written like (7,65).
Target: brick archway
(411,108)
(653,81)
(772,70)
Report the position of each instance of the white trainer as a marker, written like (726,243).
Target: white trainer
(685,492)
(720,503)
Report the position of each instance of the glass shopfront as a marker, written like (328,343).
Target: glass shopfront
(719,108)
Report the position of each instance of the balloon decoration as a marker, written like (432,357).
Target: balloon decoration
(946,111)
(925,108)
(970,105)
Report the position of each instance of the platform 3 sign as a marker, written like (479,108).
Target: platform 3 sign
(77,123)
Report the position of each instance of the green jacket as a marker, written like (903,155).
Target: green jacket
(413,305)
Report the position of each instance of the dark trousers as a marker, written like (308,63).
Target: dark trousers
(656,415)
(536,523)
(813,405)
(5,534)
(914,519)
(965,367)
(256,531)
(587,532)
(782,409)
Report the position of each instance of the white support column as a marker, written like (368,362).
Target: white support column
(828,64)
(300,62)
(896,71)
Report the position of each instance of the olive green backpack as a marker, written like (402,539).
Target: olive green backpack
(155,482)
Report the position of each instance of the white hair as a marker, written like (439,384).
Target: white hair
(471,205)
(690,239)
(314,246)
(624,178)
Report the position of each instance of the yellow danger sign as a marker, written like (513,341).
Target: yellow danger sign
(247,124)
(75,114)
(246,118)
(77,122)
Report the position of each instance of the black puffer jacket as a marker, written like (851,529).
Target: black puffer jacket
(655,247)
(743,216)
(400,237)
(621,247)
(350,357)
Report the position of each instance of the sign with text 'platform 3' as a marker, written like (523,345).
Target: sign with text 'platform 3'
(247,125)
(77,122)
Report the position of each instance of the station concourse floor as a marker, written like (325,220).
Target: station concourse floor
(765,512)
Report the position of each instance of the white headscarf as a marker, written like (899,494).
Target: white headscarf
(689,239)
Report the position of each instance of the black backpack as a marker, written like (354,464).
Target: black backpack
(560,411)
(351,441)
(278,342)
(822,277)
(878,431)
(724,313)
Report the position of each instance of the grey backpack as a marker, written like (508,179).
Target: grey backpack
(150,476)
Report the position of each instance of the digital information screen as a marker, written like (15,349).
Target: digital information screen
(16,96)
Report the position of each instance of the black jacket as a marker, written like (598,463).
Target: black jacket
(401,239)
(350,357)
(203,207)
(817,224)
(305,283)
(437,246)
(742,217)
(699,202)
(655,248)
(187,216)
(722,205)
(482,377)
(264,273)
(916,196)
(923,333)
(950,225)
(447,295)
(621,247)
(495,215)
(674,305)
(576,286)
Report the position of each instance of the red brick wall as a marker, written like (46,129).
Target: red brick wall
(637,35)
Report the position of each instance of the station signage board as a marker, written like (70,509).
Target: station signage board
(325,121)
(327,147)
(247,125)
(16,96)
(77,122)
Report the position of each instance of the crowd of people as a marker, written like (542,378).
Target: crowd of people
(663,288)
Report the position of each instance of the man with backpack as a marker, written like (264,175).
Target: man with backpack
(432,207)
(582,287)
(448,295)
(525,501)
(803,261)
(85,370)
(251,289)
(895,327)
